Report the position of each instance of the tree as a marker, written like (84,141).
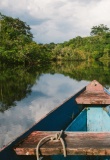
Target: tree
(17,45)
(57,52)
(14,36)
(15,27)
(99,30)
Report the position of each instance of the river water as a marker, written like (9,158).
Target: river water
(27,94)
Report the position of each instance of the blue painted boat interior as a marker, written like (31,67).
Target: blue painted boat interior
(80,122)
(91,119)
(98,119)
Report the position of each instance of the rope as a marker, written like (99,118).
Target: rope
(51,137)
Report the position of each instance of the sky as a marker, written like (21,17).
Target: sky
(58,20)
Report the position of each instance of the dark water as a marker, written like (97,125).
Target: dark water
(28,93)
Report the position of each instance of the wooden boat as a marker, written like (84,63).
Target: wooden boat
(85,121)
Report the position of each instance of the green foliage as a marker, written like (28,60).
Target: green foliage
(99,30)
(93,47)
(17,45)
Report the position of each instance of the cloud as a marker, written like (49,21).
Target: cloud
(59,20)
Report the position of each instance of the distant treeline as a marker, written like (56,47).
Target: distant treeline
(17,45)
(96,46)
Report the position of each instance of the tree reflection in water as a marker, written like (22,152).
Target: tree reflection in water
(16,81)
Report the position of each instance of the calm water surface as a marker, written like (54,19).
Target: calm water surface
(49,92)
(26,96)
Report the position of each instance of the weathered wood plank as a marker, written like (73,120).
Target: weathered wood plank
(94,94)
(77,143)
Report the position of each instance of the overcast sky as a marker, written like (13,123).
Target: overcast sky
(58,20)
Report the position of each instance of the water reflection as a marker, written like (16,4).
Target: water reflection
(49,91)
(16,82)
(27,94)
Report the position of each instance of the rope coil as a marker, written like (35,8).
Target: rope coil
(58,136)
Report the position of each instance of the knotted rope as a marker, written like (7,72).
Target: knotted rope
(58,136)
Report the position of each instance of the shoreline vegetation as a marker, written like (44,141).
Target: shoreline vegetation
(17,45)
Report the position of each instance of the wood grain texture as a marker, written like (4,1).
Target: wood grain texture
(94,94)
(77,143)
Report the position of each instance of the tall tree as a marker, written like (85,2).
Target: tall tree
(15,34)
(99,30)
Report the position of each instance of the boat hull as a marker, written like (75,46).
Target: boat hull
(58,119)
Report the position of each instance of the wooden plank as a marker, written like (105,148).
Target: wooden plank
(94,94)
(77,143)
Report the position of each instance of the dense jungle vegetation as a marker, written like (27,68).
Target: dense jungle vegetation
(17,45)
